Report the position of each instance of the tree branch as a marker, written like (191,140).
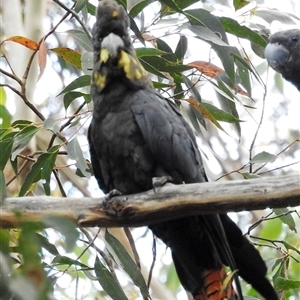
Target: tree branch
(169,202)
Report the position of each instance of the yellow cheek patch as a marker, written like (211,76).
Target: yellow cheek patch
(115,13)
(99,80)
(131,66)
(104,55)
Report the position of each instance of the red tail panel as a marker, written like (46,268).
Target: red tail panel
(216,286)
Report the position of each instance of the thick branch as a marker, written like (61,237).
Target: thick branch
(169,202)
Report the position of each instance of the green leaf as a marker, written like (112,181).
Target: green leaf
(81,38)
(44,242)
(233,27)
(64,260)
(250,175)
(122,257)
(286,284)
(140,52)
(181,47)
(48,168)
(5,117)
(286,218)
(108,282)
(71,96)
(71,56)
(79,82)
(41,169)
(6,144)
(80,4)
(2,187)
(22,139)
(173,5)
(51,124)
(219,114)
(66,227)
(238,4)
(264,157)
(164,65)
(138,7)
(270,15)
(75,152)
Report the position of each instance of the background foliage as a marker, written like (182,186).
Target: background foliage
(209,59)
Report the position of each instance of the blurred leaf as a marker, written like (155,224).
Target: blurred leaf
(270,15)
(181,47)
(172,4)
(139,6)
(264,157)
(66,227)
(233,27)
(22,139)
(51,124)
(219,114)
(81,38)
(206,34)
(203,17)
(140,52)
(42,59)
(71,96)
(69,55)
(250,175)
(28,43)
(204,112)
(75,152)
(41,169)
(206,68)
(286,284)
(2,188)
(163,65)
(238,4)
(136,30)
(87,62)
(44,242)
(192,88)
(80,4)
(64,260)
(82,81)
(286,218)
(122,257)
(6,144)
(5,117)
(108,282)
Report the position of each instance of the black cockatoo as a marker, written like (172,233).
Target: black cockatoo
(283,54)
(136,135)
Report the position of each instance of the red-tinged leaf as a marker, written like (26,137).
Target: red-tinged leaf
(206,68)
(42,59)
(28,43)
(204,111)
(71,56)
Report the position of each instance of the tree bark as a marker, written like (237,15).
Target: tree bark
(167,202)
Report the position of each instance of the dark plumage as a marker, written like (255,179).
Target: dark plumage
(135,135)
(283,54)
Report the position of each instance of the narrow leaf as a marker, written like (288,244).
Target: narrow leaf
(264,157)
(42,59)
(22,139)
(286,284)
(71,56)
(82,81)
(75,152)
(28,43)
(126,262)
(81,38)
(108,282)
(285,217)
